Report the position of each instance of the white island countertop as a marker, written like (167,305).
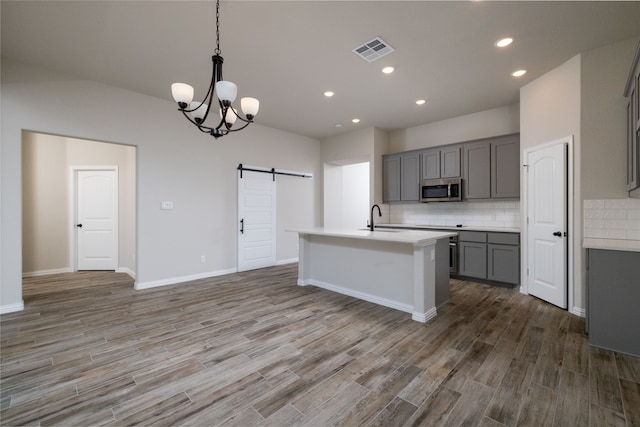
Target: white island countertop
(611,244)
(416,237)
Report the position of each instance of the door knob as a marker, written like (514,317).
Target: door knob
(558,233)
(79,225)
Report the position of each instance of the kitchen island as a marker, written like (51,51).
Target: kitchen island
(404,270)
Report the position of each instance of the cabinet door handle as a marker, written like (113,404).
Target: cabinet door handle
(558,233)
(242,226)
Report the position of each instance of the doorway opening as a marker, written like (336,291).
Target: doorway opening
(50,164)
(346,194)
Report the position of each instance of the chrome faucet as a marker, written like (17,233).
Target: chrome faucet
(371,219)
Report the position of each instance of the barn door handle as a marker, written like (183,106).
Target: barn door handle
(242,226)
(79,225)
(558,233)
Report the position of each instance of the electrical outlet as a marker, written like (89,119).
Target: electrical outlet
(203,258)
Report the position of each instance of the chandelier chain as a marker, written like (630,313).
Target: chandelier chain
(217,51)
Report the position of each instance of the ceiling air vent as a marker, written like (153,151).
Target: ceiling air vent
(373,49)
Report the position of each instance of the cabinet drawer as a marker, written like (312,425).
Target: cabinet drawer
(504,238)
(473,236)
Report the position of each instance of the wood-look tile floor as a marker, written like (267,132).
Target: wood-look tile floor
(254,348)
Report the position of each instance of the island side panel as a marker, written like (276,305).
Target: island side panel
(303,259)
(376,271)
(443,294)
(424,274)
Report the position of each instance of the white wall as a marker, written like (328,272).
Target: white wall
(550,110)
(175,162)
(346,190)
(355,195)
(483,124)
(584,98)
(603,111)
(46,165)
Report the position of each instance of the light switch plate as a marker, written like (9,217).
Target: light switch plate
(166,205)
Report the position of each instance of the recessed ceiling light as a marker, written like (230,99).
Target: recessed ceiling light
(388,70)
(338,125)
(355,120)
(504,42)
(329,94)
(519,73)
(420,101)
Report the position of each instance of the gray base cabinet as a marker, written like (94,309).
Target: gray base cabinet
(473,259)
(613,300)
(490,256)
(503,263)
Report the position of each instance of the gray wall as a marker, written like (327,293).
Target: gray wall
(603,118)
(175,163)
(483,124)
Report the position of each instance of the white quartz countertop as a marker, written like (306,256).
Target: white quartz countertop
(415,237)
(452,228)
(612,244)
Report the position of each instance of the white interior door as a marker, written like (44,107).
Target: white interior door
(547,224)
(256,220)
(97,219)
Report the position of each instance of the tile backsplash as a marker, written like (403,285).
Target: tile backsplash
(494,214)
(612,219)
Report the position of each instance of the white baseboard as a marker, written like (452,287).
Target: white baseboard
(175,280)
(130,272)
(11,308)
(578,311)
(361,295)
(47,272)
(424,317)
(287,261)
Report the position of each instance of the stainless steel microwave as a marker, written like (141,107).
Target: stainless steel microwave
(441,190)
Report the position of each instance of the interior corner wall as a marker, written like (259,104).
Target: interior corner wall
(550,110)
(604,73)
(45,207)
(483,124)
(175,163)
(380,147)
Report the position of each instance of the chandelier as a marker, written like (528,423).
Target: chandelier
(226,92)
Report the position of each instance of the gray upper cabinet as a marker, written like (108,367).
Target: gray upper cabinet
(410,177)
(632,92)
(505,167)
(492,168)
(431,164)
(477,170)
(401,177)
(450,162)
(391,178)
(441,162)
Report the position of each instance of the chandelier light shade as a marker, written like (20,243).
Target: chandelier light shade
(225,92)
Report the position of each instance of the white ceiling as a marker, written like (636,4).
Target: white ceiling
(287,53)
